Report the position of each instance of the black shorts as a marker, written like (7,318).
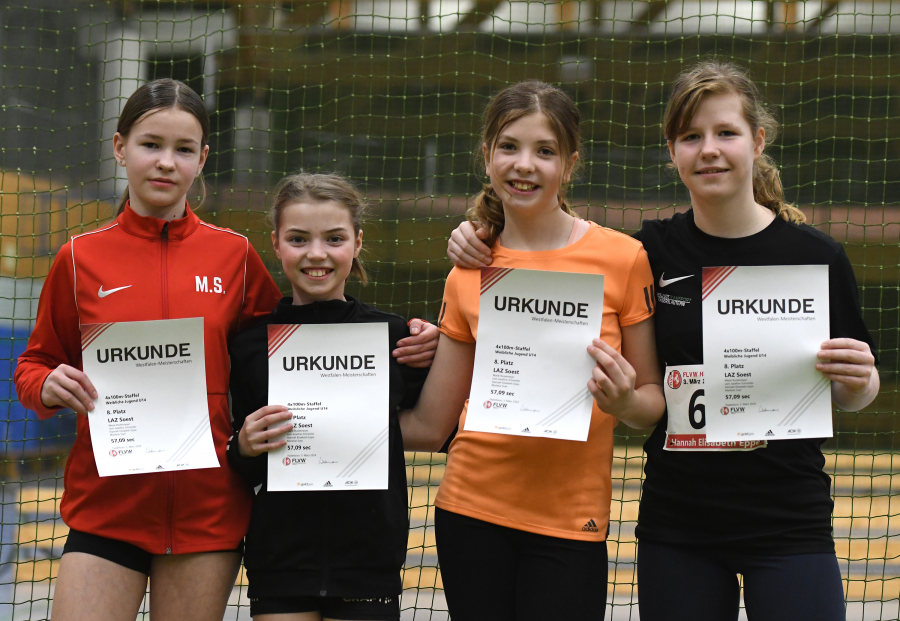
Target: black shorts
(376,608)
(119,552)
(503,574)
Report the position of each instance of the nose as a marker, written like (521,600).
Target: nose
(525,161)
(316,250)
(166,160)
(709,148)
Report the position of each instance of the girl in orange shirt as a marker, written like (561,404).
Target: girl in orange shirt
(522,521)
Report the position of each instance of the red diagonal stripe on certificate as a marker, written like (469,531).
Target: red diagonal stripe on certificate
(490,276)
(713,277)
(279,334)
(90,332)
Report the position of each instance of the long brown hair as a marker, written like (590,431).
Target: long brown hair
(714,77)
(322,188)
(162,94)
(508,106)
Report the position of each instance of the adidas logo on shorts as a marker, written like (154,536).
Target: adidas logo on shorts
(591,526)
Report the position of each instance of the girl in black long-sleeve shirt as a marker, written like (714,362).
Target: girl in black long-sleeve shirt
(316,554)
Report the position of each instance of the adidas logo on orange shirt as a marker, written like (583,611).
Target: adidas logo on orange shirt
(591,526)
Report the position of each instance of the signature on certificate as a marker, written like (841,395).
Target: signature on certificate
(326,461)
(762,409)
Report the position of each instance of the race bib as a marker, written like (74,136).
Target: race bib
(686,430)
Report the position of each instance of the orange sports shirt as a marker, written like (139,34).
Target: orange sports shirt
(559,488)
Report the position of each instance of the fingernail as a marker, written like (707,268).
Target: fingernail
(414,331)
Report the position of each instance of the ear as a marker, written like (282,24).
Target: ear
(487,158)
(203,155)
(119,148)
(671,146)
(759,142)
(275,247)
(357,245)
(570,166)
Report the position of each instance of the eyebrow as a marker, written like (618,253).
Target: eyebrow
(339,229)
(508,138)
(160,138)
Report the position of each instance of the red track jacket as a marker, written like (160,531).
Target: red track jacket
(183,268)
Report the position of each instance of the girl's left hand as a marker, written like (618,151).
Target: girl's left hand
(418,350)
(612,379)
(850,365)
(848,362)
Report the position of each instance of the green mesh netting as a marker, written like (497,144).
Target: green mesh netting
(390,93)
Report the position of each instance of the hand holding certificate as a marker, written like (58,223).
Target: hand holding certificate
(152,413)
(531,363)
(334,379)
(762,329)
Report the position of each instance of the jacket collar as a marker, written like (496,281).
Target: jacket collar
(329,311)
(151,228)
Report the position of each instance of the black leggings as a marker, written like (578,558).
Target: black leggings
(502,574)
(685,584)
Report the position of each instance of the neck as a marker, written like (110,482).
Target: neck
(731,219)
(546,231)
(302,298)
(171,212)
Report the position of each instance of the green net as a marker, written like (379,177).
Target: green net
(390,93)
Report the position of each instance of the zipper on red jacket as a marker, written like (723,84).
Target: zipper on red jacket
(170,477)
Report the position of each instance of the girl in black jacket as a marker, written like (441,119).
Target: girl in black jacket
(319,554)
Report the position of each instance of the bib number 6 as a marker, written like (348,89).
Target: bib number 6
(697,411)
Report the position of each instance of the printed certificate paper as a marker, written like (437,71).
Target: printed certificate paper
(531,360)
(152,414)
(335,380)
(762,328)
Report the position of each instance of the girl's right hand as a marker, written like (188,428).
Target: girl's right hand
(466,248)
(67,387)
(259,429)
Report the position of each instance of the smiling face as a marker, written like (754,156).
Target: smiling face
(316,244)
(715,154)
(162,155)
(525,165)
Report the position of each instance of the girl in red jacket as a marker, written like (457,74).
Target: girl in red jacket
(184,529)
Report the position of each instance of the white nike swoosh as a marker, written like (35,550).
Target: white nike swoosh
(103,293)
(665,283)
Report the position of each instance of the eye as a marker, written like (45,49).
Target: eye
(295,239)
(689,137)
(547,151)
(150,145)
(189,150)
(335,239)
(728,132)
(506,146)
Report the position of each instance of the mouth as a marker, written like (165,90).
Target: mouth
(522,186)
(317,272)
(162,182)
(711,171)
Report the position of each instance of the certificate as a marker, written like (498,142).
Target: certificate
(335,380)
(531,361)
(152,414)
(685,391)
(762,329)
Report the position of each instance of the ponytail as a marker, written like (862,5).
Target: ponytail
(120,207)
(769,192)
